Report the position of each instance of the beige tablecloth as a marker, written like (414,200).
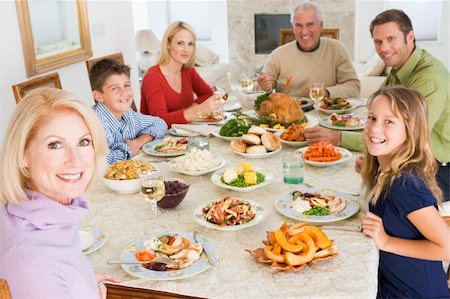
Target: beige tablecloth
(127,218)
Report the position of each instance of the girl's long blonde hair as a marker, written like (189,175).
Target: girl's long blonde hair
(31,113)
(414,155)
(167,38)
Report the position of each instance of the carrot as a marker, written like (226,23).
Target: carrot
(323,159)
(144,255)
(322,151)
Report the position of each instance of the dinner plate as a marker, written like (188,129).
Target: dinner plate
(232,104)
(311,121)
(282,206)
(216,179)
(258,156)
(128,254)
(149,148)
(216,133)
(346,155)
(359,102)
(259,216)
(86,239)
(99,236)
(326,122)
(339,111)
(182,133)
(220,163)
(292,143)
(306,103)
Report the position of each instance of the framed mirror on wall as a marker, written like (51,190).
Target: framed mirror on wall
(53,33)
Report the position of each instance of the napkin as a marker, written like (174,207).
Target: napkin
(204,130)
(444,209)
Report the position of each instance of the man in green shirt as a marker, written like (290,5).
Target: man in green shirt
(414,68)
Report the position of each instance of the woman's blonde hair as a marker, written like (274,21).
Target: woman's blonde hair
(31,113)
(415,155)
(167,38)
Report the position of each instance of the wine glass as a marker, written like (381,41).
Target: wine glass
(316,92)
(152,188)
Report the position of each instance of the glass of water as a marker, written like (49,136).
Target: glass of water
(293,168)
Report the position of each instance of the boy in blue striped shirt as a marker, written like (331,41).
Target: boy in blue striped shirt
(126,130)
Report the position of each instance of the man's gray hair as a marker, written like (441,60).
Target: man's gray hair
(307,5)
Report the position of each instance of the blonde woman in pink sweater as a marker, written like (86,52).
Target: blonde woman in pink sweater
(53,147)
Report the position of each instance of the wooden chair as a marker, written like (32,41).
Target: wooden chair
(22,89)
(4,290)
(287,34)
(123,292)
(116,56)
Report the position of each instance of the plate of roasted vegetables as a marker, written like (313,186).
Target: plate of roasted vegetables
(313,205)
(344,122)
(167,147)
(243,178)
(229,214)
(291,248)
(186,257)
(339,105)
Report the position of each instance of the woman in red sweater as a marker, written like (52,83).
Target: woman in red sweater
(172,89)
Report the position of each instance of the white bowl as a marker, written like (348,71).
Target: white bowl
(123,186)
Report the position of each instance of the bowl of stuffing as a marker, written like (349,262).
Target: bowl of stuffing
(123,176)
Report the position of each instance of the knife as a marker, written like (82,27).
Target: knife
(208,248)
(349,228)
(157,259)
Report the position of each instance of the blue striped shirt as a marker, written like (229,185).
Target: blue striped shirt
(130,126)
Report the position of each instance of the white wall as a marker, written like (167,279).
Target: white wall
(111,25)
(366,11)
(156,19)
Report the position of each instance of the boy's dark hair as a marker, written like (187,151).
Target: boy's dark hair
(393,15)
(104,68)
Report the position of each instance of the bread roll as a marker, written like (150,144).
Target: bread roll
(251,139)
(256,130)
(270,141)
(238,146)
(256,149)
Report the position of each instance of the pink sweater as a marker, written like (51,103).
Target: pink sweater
(40,255)
(159,99)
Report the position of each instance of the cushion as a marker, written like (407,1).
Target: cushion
(374,66)
(205,56)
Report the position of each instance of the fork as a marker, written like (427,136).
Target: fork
(311,186)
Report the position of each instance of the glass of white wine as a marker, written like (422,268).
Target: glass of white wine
(152,188)
(316,92)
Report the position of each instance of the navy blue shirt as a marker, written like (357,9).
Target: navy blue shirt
(400,276)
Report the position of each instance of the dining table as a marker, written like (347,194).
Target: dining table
(126,218)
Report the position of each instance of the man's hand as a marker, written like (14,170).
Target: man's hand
(135,145)
(317,134)
(265,81)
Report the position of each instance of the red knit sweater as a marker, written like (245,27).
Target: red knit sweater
(159,99)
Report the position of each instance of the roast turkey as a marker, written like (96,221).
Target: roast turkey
(281,107)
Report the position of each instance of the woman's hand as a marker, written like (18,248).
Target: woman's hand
(373,227)
(358,163)
(101,279)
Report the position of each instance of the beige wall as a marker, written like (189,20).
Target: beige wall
(241,39)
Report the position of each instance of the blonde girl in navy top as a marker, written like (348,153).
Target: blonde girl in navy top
(398,174)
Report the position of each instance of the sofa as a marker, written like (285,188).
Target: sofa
(372,74)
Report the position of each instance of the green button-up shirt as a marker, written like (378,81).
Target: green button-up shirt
(427,75)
